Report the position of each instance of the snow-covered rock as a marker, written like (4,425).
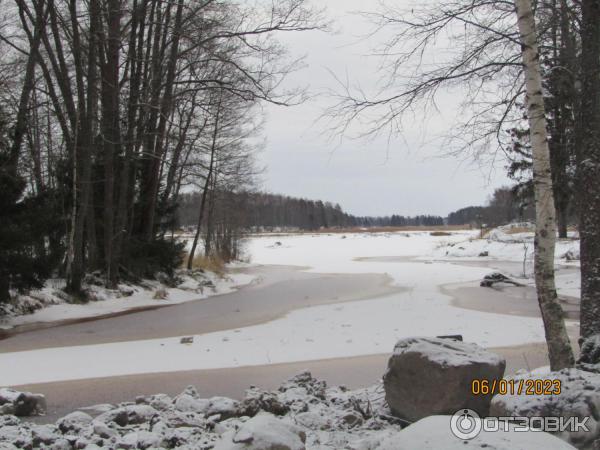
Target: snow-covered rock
(263,432)
(186,403)
(579,398)
(589,358)
(128,415)
(302,408)
(428,376)
(21,403)
(74,422)
(316,418)
(257,400)
(434,433)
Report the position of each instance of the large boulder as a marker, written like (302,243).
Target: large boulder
(263,432)
(579,398)
(434,433)
(21,403)
(429,376)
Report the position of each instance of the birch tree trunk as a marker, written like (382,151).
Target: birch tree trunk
(559,347)
(588,169)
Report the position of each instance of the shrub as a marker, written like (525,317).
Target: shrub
(211,264)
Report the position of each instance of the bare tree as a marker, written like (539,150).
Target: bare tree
(485,55)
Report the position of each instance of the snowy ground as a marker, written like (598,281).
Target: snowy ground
(365,327)
(125,298)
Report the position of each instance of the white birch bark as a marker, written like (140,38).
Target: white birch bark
(559,346)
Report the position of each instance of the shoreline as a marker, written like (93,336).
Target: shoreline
(64,397)
(253,304)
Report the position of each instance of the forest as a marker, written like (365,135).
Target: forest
(257,211)
(111,108)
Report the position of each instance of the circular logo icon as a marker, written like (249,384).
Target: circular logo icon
(465,424)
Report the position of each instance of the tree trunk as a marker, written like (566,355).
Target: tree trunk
(159,147)
(112,135)
(588,169)
(559,347)
(207,182)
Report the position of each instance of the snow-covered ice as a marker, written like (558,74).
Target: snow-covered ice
(365,327)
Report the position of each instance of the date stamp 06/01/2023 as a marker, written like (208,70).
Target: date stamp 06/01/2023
(516,387)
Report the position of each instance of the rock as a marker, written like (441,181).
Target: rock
(572,255)
(496,277)
(126,291)
(352,419)
(579,397)
(74,422)
(103,430)
(223,406)
(160,402)
(187,403)
(21,403)
(313,420)
(305,380)
(263,432)
(257,400)
(140,440)
(43,435)
(429,376)
(589,357)
(433,433)
(128,415)
(484,254)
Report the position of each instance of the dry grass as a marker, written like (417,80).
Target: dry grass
(210,264)
(516,230)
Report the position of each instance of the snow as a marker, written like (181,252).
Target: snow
(446,352)
(114,301)
(366,327)
(434,433)
(579,398)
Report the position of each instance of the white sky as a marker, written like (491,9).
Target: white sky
(406,177)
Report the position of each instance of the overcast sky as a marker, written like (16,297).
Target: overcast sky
(406,176)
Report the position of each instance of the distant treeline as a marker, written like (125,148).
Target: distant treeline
(504,206)
(268,211)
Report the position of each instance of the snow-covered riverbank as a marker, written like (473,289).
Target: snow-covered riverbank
(50,304)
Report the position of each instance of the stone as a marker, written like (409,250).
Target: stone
(103,430)
(589,358)
(579,398)
(431,376)
(187,403)
(223,406)
(263,432)
(74,422)
(128,415)
(434,433)
(257,400)
(21,403)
